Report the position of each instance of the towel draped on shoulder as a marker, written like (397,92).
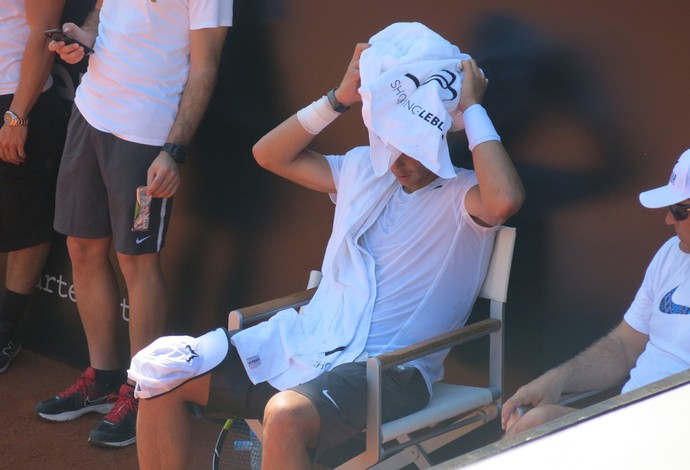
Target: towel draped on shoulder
(293,347)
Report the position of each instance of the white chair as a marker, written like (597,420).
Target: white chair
(454,409)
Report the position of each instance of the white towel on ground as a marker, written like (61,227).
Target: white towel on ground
(410,87)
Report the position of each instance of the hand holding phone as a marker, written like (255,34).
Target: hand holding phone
(58,35)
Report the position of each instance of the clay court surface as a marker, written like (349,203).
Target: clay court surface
(32,443)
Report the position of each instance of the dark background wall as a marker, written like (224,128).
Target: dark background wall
(591,101)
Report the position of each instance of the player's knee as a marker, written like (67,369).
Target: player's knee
(280,410)
(293,413)
(134,267)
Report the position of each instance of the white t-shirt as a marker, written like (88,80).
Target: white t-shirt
(139,69)
(14,33)
(661,309)
(426,288)
(421,290)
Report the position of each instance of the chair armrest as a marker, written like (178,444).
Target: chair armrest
(583,399)
(375,365)
(241,317)
(580,399)
(458,336)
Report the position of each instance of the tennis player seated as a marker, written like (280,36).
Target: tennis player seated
(412,237)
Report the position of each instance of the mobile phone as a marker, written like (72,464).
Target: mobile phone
(60,35)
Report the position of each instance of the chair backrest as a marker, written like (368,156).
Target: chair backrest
(454,409)
(495,285)
(495,289)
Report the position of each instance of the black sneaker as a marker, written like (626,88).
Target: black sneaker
(86,396)
(9,347)
(119,427)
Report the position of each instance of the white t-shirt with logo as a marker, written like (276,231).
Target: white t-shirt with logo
(136,76)
(430,261)
(661,309)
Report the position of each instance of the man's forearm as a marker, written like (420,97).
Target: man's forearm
(193,104)
(206,46)
(37,60)
(604,364)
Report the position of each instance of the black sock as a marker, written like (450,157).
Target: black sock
(110,379)
(7,330)
(12,304)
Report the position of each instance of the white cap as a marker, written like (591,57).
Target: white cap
(170,361)
(677,189)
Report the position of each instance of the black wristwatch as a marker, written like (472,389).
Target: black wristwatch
(176,151)
(335,104)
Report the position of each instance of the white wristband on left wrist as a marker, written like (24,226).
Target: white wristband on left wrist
(478,126)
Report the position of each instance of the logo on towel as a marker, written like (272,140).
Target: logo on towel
(444,79)
(253,362)
(668,306)
(192,354)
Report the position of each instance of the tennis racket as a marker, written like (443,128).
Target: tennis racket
(237,448)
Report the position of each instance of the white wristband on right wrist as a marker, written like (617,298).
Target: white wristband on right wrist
(478,126)
(316,116)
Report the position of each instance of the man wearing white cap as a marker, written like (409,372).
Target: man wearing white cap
(650,343)
(407,255)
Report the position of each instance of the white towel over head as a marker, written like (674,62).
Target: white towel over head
(411,80)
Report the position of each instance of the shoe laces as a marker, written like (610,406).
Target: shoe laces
(124,404)
(83,387)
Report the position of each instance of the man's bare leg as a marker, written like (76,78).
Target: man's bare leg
(291,426)
(24,268)
(163,426)
(21,275)
(148,298)
(98,298)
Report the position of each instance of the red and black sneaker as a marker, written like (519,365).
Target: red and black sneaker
(85,396)
(119,427)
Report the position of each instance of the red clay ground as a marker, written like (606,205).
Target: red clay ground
(29,442)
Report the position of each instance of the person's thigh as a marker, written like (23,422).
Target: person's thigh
(97,189)
(27,191)
(340,396)
(81,201)
(232,393)
(26,211)
(124,166)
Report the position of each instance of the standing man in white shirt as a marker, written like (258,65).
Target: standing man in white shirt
(148,83)
(31,138)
